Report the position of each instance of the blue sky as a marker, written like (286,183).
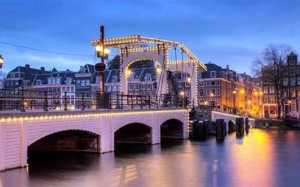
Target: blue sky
(221,31)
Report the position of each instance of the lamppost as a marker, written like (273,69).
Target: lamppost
(212,100)
(249,107)
(182,97)
(102,53)
(234,100)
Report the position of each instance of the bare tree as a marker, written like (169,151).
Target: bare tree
(270,69)
(2,76)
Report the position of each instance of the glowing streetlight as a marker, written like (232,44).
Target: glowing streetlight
(189,79)
(242,91)
(1,61)
(205,103)
(182,93)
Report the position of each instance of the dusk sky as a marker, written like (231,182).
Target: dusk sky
(223,32)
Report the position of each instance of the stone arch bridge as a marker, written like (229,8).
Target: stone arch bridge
(18,131)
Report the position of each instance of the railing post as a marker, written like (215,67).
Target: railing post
(65,103)
(118,101)
(82,101)
(45,102)
(110,102)
(22,100)
(122,100)
(149,101)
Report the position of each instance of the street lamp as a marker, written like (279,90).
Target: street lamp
(234,100)
(189,79)
(1,61)
(249,107)
(102,53)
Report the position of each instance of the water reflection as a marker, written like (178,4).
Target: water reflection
(263,158)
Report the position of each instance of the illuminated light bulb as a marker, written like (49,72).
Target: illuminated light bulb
(106,51)
(99,48)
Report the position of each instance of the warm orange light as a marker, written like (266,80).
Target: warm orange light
(106,51)
(99,48)
(289,101)
(189,79)
(205,103)
(182,93)
(242,91)
(129,72)
(249,102)
(261,93)
(234,91)
(255,93)
(158,70)
(211,94)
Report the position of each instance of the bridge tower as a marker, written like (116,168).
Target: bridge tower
(136,47)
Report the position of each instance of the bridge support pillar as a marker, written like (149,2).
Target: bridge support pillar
(23,144)
(2,164)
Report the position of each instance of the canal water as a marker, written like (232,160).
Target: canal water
(263,158)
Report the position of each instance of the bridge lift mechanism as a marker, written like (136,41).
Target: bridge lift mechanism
(133,48)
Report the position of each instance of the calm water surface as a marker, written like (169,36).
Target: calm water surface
(263,158)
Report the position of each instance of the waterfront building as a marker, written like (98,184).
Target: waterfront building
(225,90)
(289,86)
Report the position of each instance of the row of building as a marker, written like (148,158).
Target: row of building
(221,88)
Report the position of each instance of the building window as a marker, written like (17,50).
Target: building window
(200,75)
(207,92)
(218,92)
(218,83)
(285,82)
(293,81)
(88,83)
(298,81)
(201,92)
(213,74)
(201,83)
(183,75)
(207,83)
(271,89)
(82,83)
(137,87)
(147,77)
(266,90)
(114,78)
(130,86)
(213,83)
(38,82)
(69,80)
(148,86)
(143,86)
(98,80)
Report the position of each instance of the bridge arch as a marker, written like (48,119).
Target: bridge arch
(67,140)
(172,128)
(158,59)
(37,135)
(133,133)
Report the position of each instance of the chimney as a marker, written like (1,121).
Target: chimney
(27,69)
(42,70)
(227,67)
